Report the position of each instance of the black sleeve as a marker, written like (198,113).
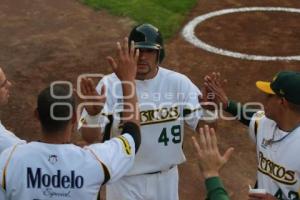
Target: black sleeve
(134,130)
(106,135)
(237,109)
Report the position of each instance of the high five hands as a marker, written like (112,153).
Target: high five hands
(125,66)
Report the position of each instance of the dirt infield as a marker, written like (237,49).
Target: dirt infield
(46,40)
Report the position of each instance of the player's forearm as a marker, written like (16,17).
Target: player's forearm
(131,114)
(91,135)
(215,189)
(133,129)
(238,110)
(131,108)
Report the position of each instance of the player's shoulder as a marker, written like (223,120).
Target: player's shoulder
(23,150)
(6,153)
(4,131)
(173,77)
(39,148)
(259,114)
(108,79)
(261,118)
(172,74)
(2,127)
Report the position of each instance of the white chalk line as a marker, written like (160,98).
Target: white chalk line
(189,34)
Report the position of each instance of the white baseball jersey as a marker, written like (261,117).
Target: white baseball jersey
(63,171)
(278,157)
(7,138)
(163,101)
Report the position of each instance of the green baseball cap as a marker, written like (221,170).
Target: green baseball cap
(285,84)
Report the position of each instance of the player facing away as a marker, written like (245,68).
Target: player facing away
(275,131)
(166,99)
(55,169)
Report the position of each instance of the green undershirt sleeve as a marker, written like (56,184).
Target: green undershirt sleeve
(238,110)
(215,189)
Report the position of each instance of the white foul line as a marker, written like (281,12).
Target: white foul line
(189,33)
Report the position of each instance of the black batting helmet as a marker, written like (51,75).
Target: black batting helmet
(147,36)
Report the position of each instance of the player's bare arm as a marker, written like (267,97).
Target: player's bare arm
(88,88)
(125,66)
(209,108)
(215,84)
(213,98)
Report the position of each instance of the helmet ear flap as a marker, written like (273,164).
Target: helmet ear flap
(161,55)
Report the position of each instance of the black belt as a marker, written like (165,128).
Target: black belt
(158,172)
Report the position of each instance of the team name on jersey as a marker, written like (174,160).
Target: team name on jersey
(159,115)
(275,171)
(38,179)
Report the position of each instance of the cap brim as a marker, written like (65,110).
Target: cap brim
(146,47)
(264,87)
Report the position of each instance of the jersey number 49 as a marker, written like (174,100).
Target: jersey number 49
(175,132)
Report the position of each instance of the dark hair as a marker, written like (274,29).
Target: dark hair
(55,106)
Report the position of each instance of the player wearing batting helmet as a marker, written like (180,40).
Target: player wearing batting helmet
(167,99)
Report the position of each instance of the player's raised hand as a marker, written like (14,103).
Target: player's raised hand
(254,196)
(88,94)
(210,159)
(215,87)
(125,65)
(207,99)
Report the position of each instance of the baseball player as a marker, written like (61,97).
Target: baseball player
(275,131)
(55,169)
(7,138)
(166,99)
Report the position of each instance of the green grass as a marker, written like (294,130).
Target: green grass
(167,15)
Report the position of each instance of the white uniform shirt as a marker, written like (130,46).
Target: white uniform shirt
(7,138)
(63,171)
(278,163)
(162,101)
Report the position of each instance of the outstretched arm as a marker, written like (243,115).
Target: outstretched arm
(90,129)
(214,84)
(125,67)
(120,158)
(211,162)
